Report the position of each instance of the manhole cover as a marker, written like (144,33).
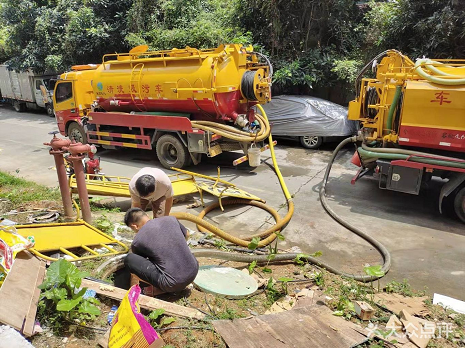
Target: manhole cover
(225,281)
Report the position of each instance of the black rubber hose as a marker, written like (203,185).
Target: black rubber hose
(380,247)
(118,263)
(247,85)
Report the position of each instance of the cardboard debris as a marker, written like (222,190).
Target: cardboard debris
(283,305)
(305,293)
(416,331)
(260,281)
(394,325)
(302,298)
(395,303)
(364,310)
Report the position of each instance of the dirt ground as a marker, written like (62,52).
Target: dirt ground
(288,279)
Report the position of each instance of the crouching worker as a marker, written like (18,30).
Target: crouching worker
(160,255)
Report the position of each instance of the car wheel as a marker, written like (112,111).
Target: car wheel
(311,142)
(77,133)
(171,152)
(459,204)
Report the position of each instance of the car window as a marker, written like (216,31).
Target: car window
(38,83)
(64,91)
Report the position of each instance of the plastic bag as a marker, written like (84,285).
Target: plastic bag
(11,243)
(129,327)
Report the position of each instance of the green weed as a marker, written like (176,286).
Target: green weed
(62,297)
(19,190)
(104,224)
(403,288)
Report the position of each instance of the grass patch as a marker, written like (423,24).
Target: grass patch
(19,190)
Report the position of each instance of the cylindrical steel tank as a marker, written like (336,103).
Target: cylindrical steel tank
(221,83)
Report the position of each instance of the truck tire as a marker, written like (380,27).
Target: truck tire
(76,132)
(49,108)
(459,204)
(18,106)
(171,152)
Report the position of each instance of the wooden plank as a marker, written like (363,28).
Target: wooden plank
(19,294)
(103,341)
(312,326)
(31,315)
(144,301)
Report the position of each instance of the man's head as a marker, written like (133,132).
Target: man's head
(135,218)
(145,185)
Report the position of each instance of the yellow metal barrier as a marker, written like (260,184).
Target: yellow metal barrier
(183,183)
(69,238)
(118,186)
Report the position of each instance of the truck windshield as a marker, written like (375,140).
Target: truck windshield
(64,91)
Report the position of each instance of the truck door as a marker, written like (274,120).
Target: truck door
(64,103)
(38,93)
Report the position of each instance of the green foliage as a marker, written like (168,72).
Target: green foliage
(228,314)
(403,288)
(251,267)
(315,46)
(156,321)
(347,70)
(320,279)
(18,190)
(374,271)
(177,23)
(103,224)
(221,244)
(273,293)
(432,28)
(53,35)
(62,298)
(300,259)
(254,243)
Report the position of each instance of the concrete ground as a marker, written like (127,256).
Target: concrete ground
(427,248)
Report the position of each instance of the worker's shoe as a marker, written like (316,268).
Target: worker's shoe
(149,291)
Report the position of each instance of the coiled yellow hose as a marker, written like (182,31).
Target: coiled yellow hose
(234,133)
(269,235)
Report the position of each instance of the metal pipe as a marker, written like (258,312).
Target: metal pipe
(82,188)
(63,183)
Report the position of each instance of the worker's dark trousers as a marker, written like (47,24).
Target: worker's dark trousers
(143,268)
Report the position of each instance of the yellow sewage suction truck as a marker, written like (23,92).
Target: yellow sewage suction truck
(413,125)
(182,102)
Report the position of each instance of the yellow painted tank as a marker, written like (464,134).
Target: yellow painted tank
(219,83)
(420,104)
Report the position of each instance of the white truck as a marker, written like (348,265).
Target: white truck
(26,90)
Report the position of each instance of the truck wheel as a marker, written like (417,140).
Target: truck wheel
(311,142)
(49,108)
(76,132)
(171,152)
(18,106)
(459,204)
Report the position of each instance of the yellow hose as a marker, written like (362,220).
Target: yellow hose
(234,133)
(443,78)
(269,235)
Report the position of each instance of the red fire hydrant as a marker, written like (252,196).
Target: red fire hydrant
(78,151)
(57,151)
